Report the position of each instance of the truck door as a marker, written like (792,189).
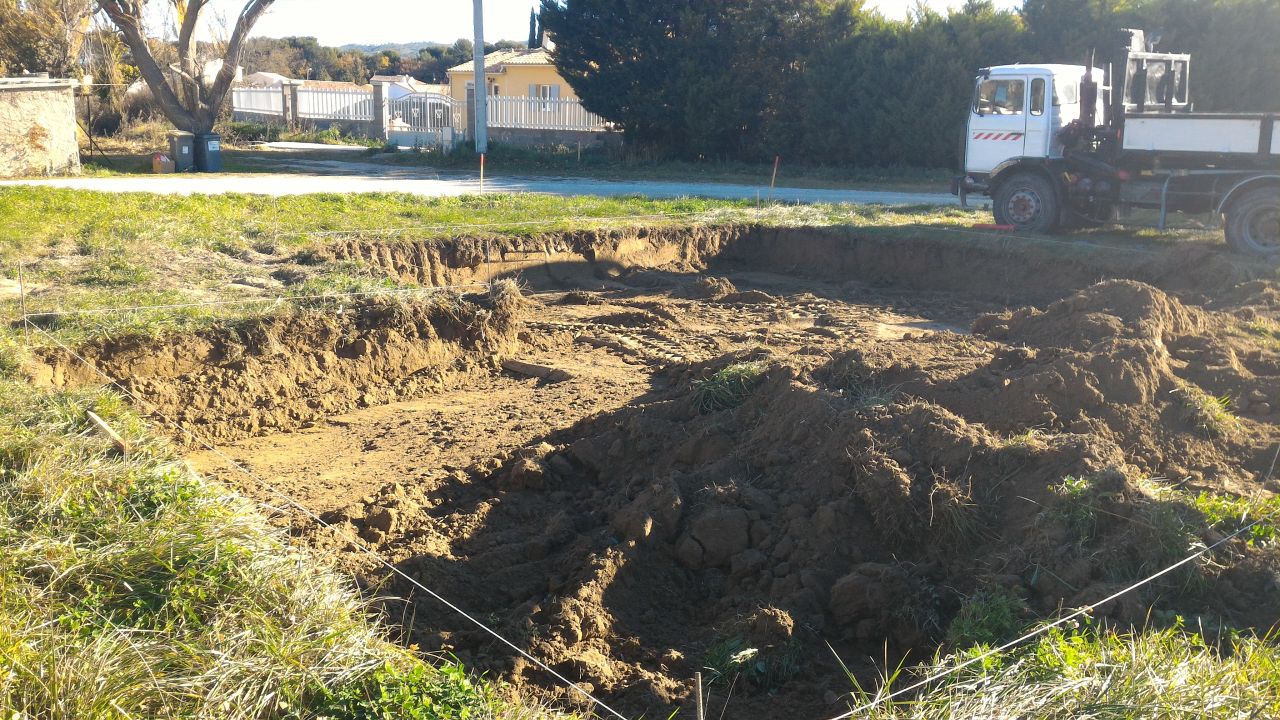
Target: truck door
(997,123)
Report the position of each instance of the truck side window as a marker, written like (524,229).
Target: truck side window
(1037,96)
(1000,97)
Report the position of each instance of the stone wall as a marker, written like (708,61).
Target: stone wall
(38,128)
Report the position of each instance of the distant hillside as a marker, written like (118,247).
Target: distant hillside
(402,48)
(412,48)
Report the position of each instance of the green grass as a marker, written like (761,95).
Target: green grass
(991,616)
(1095,673)
(1228,514)
(130,588)
(614,164)
(36,220)
(733,660)
(1206,413)
(728,387)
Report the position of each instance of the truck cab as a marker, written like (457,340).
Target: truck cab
(1018,112)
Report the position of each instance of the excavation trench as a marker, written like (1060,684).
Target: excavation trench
(916,421)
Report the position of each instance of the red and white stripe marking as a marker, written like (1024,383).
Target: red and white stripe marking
(998,136)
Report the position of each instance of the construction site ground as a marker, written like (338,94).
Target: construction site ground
(743,452)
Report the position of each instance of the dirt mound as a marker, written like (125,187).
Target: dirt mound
(710,288)
(1116,309)
(858,501)
(287,370)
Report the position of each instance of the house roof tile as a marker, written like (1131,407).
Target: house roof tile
(496,61)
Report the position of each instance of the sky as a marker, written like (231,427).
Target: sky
(370,22)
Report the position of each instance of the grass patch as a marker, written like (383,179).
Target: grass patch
(1096,673)
(1076,498)
(610,163)
(1265,331)
(989,617)
(733,661)
(728,387)
(1227,514)
(130,588)
(35,221)
(1206,413)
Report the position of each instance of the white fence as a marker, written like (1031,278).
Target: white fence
(262,101)
(335,104)
(419,113)
(542,114)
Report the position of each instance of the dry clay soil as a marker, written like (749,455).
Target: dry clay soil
(893,451)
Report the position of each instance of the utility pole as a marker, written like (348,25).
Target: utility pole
(481,108)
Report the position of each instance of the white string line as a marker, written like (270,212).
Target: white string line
(288,499)
(248,301)
(881,699)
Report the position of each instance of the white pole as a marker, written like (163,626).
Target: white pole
(482,91)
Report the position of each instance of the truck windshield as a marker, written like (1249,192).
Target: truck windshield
(1000,97)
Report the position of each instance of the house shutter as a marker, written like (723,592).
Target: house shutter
(533,91)
(555,92)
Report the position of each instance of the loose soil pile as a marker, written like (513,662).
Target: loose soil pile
(855,500)
(882,457)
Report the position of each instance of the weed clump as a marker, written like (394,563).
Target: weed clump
(728,388)
(989,617)
(1211,415)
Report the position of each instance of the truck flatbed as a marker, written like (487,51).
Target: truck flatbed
(1233,134)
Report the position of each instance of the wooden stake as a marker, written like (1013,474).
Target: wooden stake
(112,435)
(697,696)
(777,160)
(22,302)
(481,173)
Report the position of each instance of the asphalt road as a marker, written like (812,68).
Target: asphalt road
(346,177)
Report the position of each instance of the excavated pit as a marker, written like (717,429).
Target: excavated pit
(914,409)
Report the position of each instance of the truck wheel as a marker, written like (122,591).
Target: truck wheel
(1028,202)
(1253,222)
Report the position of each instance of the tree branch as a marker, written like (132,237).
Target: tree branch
(235,47)
(128,17)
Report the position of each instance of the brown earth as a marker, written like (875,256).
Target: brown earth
(927,421)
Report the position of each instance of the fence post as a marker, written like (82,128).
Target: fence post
(290,107)
(379,128)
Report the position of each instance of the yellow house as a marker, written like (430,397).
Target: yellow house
(513,73)
(528,102)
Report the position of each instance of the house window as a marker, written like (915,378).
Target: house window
(544,94)
(495,90)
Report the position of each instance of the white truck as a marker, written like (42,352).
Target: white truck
(1057,146)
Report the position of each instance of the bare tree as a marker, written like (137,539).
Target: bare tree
(185,97)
